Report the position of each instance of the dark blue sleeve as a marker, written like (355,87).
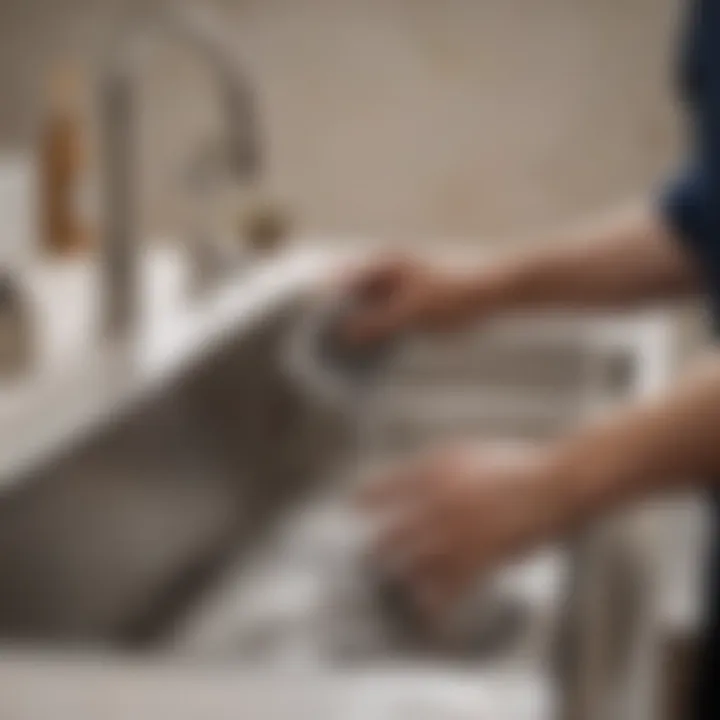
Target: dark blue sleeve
(687,205)
(690,204)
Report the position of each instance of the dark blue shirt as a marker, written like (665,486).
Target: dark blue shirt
(691,206)
(691,203)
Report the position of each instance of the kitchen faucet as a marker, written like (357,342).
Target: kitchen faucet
(239,150)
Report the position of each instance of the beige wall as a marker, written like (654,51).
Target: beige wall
(457,118)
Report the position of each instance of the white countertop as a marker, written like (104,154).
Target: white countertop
(85,688)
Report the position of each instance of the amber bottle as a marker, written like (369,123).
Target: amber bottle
(63,168)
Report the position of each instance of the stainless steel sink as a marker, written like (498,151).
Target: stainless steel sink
(146,531)
(109,540)
(586,611)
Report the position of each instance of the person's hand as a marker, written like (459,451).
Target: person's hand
(397,294)
(453,514)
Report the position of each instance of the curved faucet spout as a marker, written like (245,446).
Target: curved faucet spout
(240,147)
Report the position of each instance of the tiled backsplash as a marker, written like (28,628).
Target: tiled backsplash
(409,118)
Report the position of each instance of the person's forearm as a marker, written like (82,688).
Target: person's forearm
(666,444)
(623,260)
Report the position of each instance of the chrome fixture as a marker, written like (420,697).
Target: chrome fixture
(239,148)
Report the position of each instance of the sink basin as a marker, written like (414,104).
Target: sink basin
(510,381)
(151,476)
(194,460)
(98,541)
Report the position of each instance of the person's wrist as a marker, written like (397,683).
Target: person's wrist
(484,291)
(549,497)
(588,474)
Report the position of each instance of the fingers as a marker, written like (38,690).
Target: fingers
(367,280)
(404,499)
(410,544)
(399,485)
(376,278)
(422,553)
(382,298)
(434,573)
(429,540)
(437,578)
(376,321)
